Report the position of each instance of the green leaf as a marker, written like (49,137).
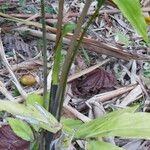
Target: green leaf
(68,28)
(21,129)
(56,66)
(70,125)
(34,114)
(121,38)
(130,125)
(132,11)
(99,145)
(34,98)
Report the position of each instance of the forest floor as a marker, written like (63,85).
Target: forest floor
(114,73)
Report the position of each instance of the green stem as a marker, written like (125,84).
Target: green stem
(57,59)
(56,70)
(68,62)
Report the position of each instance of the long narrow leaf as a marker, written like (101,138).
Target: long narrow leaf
(22,129)
(131,125)
(99,145)
(32,114)
(56,67)
(132,11)
(117,123)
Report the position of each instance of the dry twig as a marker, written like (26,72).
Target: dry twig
(5,92)
(7,65)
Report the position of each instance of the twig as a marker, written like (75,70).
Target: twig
(6,63)
(52,16)
(30,18)
(30,64)
(5,92)
(60,22)
(131,97)
(93,45)
(112,94)
(76,113)
(44,52)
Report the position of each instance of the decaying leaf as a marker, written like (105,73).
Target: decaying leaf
(9,140)
(96,81)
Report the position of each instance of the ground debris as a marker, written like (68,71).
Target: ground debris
(94,82)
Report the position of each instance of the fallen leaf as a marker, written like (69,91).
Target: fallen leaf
(10,141)
(94,82)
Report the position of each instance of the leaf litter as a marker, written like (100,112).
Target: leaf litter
(93,83)
(9,140)
(103,84)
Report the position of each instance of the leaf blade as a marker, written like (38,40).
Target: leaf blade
(119,123)
(21,129)
(32,114)
(131,10)
(95,145)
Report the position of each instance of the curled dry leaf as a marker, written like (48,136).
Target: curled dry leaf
(28,80)
(94,82)
(9,140)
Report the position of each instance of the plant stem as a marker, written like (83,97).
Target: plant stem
(57,59)
(44,52)
(56,70)
(68,60)
(60,22)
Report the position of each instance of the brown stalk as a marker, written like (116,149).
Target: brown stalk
(107,49)
(60,22)
(69,57)
(94,45)
(103,97)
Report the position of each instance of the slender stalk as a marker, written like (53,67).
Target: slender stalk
(44,52)
(56,70)
(60,22)
(57,59)
(68,62)
(68,59)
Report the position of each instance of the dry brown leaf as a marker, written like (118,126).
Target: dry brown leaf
(94,82)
